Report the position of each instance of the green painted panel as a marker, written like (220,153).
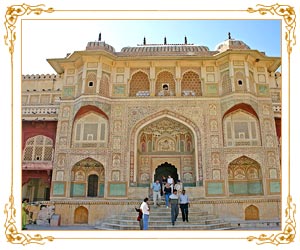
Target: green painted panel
(212,89)
(238,188)
(215,188)
(101,189)
(255,188)
(275,186)
(117,189)
(68,91)
(119,90)
(191,184)
(263,89)
(245,188)
(58,189)
(78,189)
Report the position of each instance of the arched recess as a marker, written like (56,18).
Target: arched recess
(87,179)
(241,127)
(165,84)
(90,127)
(251,213)
(81,215)
(139,84)
(245,177)
(191,84)
(142,153)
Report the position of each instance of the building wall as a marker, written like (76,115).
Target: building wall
(117,99)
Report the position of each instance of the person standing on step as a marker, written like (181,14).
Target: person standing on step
(156,188)
(140,217)
(184,204)
(174,201)
(178,187)
(145,208)
(170,180)
(167,192)
(163,184)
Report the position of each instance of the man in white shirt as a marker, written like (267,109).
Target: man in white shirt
(145,209)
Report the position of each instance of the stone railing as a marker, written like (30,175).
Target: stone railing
(41,110)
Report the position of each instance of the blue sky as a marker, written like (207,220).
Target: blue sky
(42,39)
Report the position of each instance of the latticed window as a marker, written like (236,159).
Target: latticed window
(241,129)
(191,82)
(226,84)
(139,84)
(38,148)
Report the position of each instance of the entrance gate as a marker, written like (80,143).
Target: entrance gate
(166,169)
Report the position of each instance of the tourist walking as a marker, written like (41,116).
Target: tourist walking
(173,200)
(170,180)
(167,192)
(156,188)
(163,183)
(145,210)
(184,204)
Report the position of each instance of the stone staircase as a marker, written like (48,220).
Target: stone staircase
(160,219)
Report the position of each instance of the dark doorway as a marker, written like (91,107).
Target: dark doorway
(166,169)
(92,185)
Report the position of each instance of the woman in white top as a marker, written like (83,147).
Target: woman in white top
(170,180)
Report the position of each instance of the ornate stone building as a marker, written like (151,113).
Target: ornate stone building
(96,134)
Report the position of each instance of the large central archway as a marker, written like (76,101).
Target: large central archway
(165,138)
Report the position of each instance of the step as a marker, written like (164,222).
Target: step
(177,226)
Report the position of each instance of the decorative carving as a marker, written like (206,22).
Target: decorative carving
(289,17)
(11,231)
(11,17)
(289,232)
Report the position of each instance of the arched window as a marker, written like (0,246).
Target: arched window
(90,131)
(139,85)
(191,84)
(241,129)
(38,148)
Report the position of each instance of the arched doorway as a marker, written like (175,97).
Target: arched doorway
(81,215)
(251,213)
(166,169)
(166,140)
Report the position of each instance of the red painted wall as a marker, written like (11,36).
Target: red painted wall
(33,128)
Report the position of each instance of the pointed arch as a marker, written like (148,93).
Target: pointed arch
(87,179)
(241,127)
(139,84)
(164,114)
(90,127)
(245,177)
(191,84)
(165,78)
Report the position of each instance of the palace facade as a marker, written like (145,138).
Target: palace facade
(100,131)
